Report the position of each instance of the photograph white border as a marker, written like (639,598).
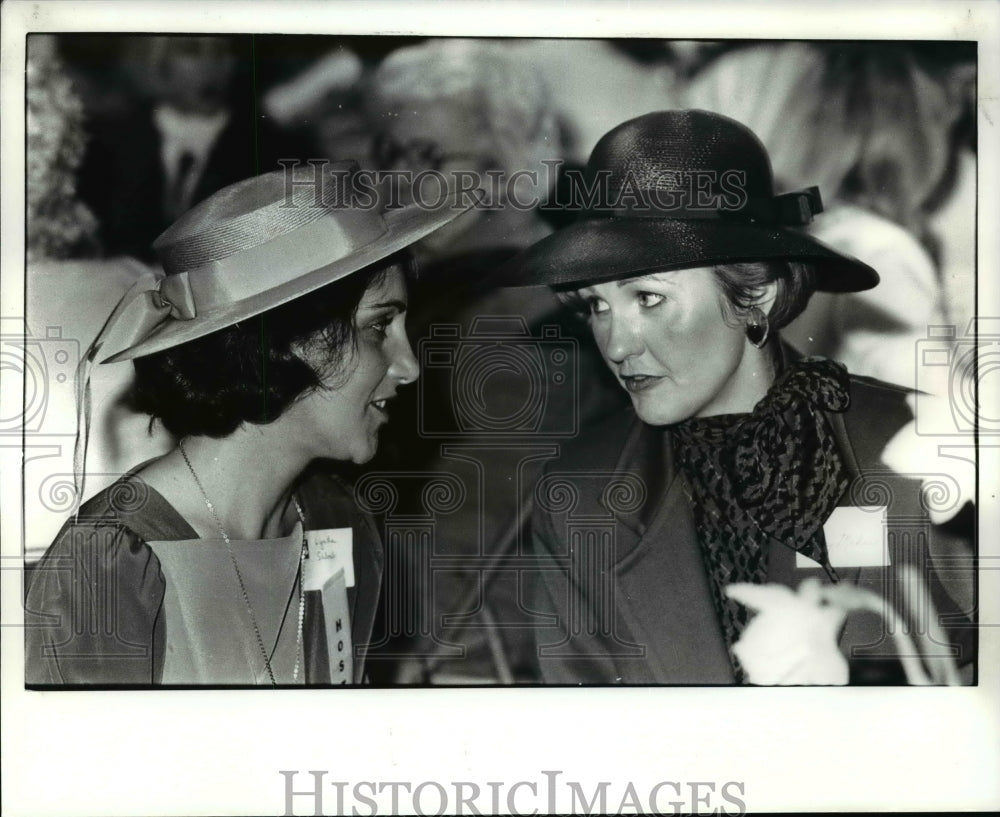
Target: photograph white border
(220,752)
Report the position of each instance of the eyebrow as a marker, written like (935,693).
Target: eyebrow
(399,306)
(656,276)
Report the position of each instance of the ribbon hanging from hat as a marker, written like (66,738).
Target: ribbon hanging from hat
(149,302)
(146,306)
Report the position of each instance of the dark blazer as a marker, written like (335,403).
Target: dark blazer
(622,579)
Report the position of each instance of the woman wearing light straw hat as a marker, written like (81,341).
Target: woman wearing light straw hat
(738,462)
(275,338)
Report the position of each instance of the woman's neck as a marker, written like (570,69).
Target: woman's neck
(247,476)
(747,386)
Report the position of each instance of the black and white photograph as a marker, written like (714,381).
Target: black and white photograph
(413,410)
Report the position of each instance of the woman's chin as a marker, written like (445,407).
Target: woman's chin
(656,415)
(364,457)
(654,410)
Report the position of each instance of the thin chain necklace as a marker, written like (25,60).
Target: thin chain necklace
(239,575)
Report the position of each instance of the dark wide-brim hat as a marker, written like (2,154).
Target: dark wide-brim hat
(675,190)
(258,244)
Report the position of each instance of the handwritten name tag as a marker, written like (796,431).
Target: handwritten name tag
(338,630)
(330,550)
(855,537)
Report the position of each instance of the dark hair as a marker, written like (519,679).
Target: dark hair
(740,283)
(253,371)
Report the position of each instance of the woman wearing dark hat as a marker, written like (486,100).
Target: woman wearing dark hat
(276,338)
(738,462)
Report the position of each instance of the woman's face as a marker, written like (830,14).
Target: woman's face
(342,420)
(670,341)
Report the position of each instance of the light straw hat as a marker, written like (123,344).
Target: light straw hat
(260,243)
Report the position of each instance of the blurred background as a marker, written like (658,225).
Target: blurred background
(125,132)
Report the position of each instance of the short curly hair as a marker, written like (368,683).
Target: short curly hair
(741,283)
(253,371)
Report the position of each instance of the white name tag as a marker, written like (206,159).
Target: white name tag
(330,550)
(855,537)
(338,630)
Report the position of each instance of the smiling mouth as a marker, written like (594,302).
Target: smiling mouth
(639,382)
(380,405)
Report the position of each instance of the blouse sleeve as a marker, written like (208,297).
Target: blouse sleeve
(93,610)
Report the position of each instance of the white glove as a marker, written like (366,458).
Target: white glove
(792,639)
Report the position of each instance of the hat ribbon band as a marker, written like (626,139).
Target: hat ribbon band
(789,209)
(157,298)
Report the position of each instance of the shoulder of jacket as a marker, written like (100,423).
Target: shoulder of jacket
(99,543)
(871,395)
(102,513)
(877,412)
(596,445)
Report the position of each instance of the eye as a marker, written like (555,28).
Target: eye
(648,300)
(379,326)
(597,305)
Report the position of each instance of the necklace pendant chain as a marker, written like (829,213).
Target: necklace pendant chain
(302,590)
(239,576)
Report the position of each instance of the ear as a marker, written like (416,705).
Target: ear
(766,296)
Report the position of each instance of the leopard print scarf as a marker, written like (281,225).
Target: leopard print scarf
(775,474)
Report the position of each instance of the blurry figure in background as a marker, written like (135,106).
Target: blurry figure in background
(59,225)
(189,131)
(316,88)
(871,127)
(952,205)
(469,106)
(600,83)
(68,294)
(324,103)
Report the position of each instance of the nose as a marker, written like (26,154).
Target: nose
(622,340)
(404,367)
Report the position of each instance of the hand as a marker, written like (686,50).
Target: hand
(792,639)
